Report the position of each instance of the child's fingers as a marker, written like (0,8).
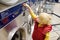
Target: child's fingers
(26,5)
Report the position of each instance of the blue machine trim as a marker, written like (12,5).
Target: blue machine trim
(10,14)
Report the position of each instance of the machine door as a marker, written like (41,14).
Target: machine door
(19,35)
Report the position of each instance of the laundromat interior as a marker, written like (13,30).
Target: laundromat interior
(17,24)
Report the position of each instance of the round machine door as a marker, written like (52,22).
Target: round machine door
(19,35)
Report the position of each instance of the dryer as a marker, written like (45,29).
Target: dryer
(17,29)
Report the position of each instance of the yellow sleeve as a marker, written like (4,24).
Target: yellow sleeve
(33,15)
(47,36)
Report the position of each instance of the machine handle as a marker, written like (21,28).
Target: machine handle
(55,24)
(54,14)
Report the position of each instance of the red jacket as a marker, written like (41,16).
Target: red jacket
(39,33)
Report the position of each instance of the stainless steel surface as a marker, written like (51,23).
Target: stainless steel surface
(5,7)
(2,6)
(3,34)
(8,2)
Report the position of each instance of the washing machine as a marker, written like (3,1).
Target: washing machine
(18,29)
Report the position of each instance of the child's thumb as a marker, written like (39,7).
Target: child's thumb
(24,4)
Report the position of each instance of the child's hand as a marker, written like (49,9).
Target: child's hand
(26,5)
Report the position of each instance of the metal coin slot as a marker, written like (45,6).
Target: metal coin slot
(24,13)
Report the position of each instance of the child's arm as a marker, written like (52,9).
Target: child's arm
(47,37)
(47,32)
(34,17)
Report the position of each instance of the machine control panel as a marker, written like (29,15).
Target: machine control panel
(10,14)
